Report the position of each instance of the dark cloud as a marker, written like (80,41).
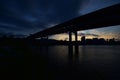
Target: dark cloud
(88,34)
(36,14)
(2,34)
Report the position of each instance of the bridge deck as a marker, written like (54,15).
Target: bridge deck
(109,16)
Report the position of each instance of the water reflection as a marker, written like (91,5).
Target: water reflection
(73,55)
(100,61)
(66,62)
(83,54)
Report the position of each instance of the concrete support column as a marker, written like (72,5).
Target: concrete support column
(76,38)
(76,43)
(70,46)
(70,36)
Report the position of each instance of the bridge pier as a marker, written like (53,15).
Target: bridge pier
(76,38)
(76,43)
(70,36)
(70,46)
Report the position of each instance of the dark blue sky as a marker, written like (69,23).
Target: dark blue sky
(31,16)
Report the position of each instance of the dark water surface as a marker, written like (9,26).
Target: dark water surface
(59,63)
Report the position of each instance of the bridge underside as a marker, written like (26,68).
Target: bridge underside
(109,16)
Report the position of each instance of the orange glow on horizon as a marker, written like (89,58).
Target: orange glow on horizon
(66,37)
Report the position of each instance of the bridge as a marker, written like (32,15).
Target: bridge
(109,16)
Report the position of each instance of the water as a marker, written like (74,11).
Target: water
(101,61)
(94,55)
(59,63)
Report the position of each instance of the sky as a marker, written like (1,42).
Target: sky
(25,17)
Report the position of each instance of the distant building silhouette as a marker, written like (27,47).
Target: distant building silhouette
(5,40)
(83,39)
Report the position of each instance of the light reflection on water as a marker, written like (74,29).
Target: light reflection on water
(89,54)
(104,59)
(100,62)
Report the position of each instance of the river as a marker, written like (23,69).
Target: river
(58,63)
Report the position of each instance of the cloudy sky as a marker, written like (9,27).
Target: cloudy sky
(30,16)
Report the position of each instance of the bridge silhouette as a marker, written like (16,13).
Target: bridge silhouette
(109,16)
